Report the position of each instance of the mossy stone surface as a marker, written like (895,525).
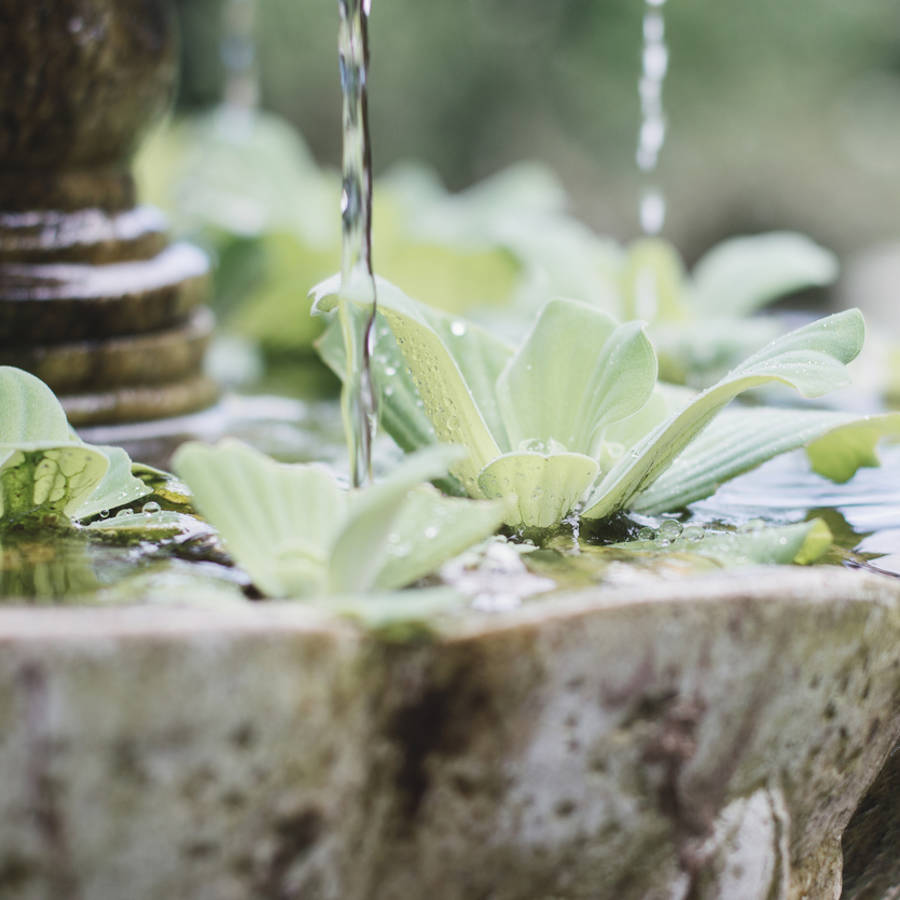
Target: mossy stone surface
(81,80)
(43,304)
(131,360)
(706,739)
(141,402)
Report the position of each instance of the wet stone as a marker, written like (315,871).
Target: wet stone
(148,359)
(144,402)
(92,298)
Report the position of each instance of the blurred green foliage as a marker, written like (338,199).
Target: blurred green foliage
(781,115)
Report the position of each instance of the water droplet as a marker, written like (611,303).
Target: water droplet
(390,371)
(646,534)
(104,513)
(151,507)
(431,532)
(670,530)
(693,533)
(458,328)
(124,512)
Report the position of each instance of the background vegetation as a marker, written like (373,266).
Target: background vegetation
(781,115)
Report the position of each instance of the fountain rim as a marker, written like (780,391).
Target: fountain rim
(746,588)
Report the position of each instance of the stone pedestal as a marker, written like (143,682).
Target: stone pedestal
(93,298)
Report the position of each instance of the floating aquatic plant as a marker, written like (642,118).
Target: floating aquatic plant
(572,420)
(298,533)
(46,471)
(702,324)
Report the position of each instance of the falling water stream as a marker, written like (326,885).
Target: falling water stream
(358,406)
(652,134)
(237,50)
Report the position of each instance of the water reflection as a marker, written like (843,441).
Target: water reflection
(863,514)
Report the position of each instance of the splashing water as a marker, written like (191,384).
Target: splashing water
(358,406)
(652,135)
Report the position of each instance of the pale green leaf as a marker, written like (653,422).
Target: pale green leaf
(55,479)
(278,520)
(430,529)
(742,274)
(575,374)
(446,395)
(29,412)
(810,359)
(738,440)
(702,351)
(358,552)
(36,442)
(401,410)
(653,282)
(838,453)
(149,526)
(802,543)
(117,488)
(544,488)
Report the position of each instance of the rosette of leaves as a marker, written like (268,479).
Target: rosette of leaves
(573,421)
(47,473)
(703,323)
(299,534)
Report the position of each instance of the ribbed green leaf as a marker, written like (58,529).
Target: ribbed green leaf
(448,397)
(810,359)
(545,488)
(576,373)
(359,548)
(430,529)
(401,410)
(738,440)
(278,521)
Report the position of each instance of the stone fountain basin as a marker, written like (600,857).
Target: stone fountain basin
(707,738)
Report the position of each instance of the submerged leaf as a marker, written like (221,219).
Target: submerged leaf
(802,543)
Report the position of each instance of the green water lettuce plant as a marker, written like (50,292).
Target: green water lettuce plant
(247,187)
(46,471)
(573,421)
(702,323)
(298,533)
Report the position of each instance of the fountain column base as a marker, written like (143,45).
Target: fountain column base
(93,298)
